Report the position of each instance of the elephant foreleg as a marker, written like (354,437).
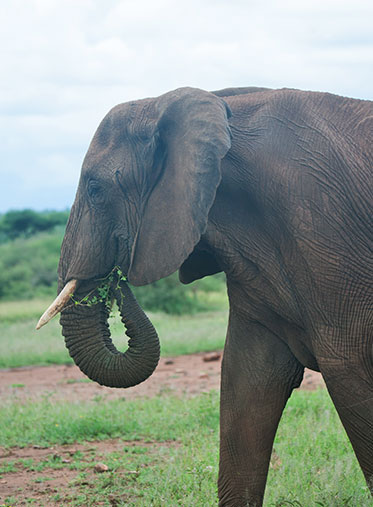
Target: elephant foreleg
(258,375)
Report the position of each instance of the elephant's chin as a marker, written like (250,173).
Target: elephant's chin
(87,337)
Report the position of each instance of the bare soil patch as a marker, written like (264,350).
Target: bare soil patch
(52,487)
(181,375)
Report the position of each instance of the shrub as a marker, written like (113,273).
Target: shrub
(28,267)
(25,223)
(170,296)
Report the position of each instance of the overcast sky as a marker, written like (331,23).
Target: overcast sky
(65,63)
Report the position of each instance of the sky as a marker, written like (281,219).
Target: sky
(65,63)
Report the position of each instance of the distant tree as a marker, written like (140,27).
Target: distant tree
(25,223)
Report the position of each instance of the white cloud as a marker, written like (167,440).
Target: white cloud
(64,64)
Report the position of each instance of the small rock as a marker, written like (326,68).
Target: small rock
(180,371)
(66,461)
(100,468)
(169,361)
(212,356)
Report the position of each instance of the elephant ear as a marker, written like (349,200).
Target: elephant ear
(193,135)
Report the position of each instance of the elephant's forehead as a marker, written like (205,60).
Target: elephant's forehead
(123,141)
(129,119)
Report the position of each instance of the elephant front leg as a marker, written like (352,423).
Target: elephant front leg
(258,374)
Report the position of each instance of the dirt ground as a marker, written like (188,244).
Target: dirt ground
(182,375)
(52,487)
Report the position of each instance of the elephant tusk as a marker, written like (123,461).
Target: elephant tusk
(58,304)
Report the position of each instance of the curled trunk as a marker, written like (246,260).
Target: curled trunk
(87,337)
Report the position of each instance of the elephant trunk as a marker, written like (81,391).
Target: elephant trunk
(87,337)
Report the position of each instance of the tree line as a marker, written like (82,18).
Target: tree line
(25,223)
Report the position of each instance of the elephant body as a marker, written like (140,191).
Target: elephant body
(273,187)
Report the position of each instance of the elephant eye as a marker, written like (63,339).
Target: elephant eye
(95,192)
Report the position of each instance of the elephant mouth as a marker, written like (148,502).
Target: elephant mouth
(84,292)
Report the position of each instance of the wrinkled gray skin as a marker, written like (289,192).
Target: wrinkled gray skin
(273,187)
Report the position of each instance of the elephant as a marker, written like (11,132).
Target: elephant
(271,187)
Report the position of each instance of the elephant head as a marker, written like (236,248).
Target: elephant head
(147,184)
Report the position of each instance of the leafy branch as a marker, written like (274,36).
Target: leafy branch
(102,293)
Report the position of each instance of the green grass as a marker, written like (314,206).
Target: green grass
(46,422)
(313,463)
(22,345)
(19,311)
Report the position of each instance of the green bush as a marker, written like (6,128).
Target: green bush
(170,296)
(28,267)
(26,223)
